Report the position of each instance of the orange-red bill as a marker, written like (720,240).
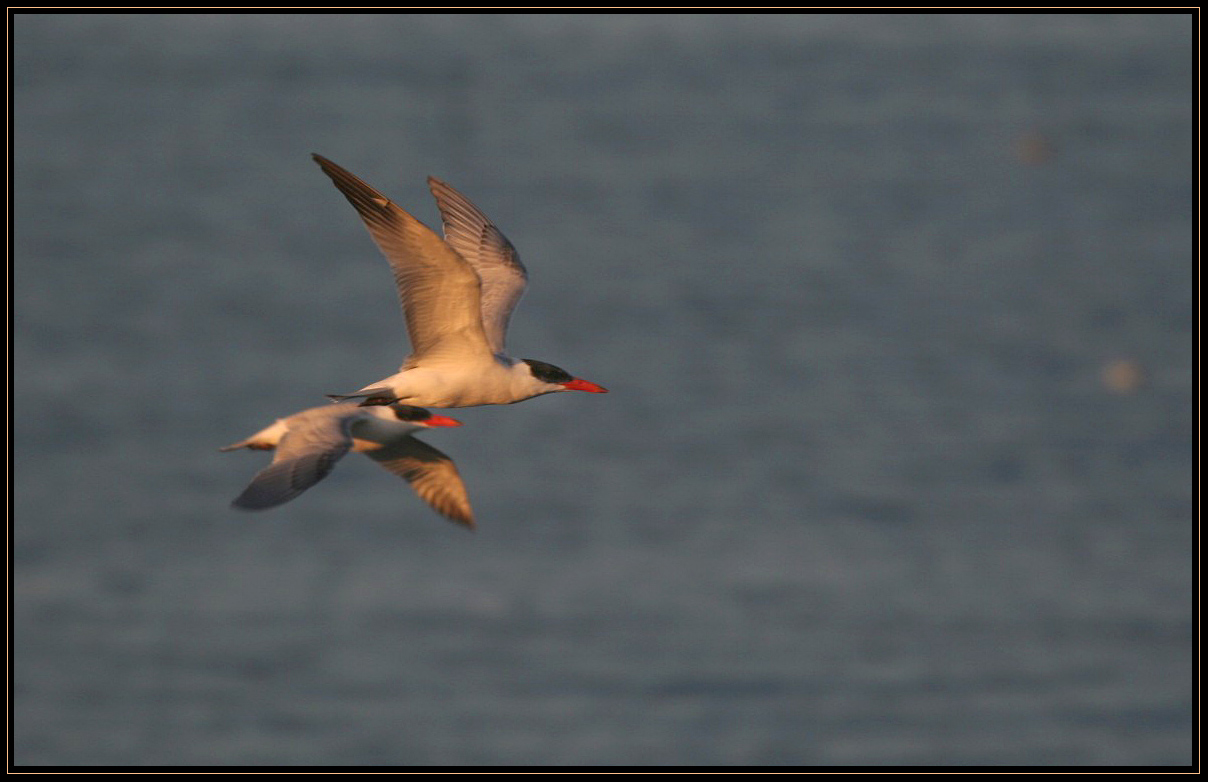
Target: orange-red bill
(579,384)
(441,420)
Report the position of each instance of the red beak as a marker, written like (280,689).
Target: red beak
(579,384)
(441,420)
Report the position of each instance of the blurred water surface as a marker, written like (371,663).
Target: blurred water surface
(896,312)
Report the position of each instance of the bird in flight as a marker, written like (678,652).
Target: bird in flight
(308,444)
(457,295)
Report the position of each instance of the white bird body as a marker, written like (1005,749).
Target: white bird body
(457,295)
(473,380)
(309,443)
(369,427)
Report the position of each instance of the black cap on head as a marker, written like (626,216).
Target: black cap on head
(547,372)
(410,413)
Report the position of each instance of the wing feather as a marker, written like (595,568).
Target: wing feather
(476,239)
(438,290)
(306,455)
(431,474)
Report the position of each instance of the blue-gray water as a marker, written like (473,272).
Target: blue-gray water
(897,316)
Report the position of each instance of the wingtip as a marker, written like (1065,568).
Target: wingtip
(459,513)
(255,498)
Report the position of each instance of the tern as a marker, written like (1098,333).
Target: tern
(457,295)
(309,443)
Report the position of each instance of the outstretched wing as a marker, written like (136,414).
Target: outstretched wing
(431,474)
(306,454)
(439,291)
(488,251)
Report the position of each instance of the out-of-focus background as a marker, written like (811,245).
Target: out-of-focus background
(897,316)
